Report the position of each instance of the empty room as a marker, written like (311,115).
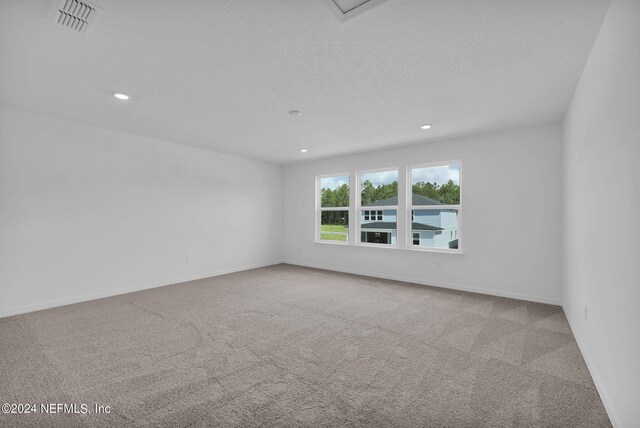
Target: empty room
(320,213)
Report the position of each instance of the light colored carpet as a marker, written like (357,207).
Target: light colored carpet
(291,346)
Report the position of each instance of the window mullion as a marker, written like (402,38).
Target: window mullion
(353,208)
(401,216)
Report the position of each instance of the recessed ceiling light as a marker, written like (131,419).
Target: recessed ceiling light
(304,150)
(295,112)
(121,96)
(426,126)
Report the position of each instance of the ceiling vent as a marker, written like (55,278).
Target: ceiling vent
(75,15)
(348,9)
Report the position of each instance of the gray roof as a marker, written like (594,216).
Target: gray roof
(392,225)
(416,200)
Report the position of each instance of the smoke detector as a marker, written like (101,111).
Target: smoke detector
(76,15)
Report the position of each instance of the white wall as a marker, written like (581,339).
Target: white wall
(511,225)
(87,212)
(602,199)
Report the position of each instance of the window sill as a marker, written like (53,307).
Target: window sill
(393,247)
(435,250)
(343,243)
(371,245)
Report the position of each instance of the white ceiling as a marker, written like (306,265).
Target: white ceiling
(223,74)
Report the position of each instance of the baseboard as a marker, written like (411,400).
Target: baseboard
(100,295)
(604,396)
(486,291)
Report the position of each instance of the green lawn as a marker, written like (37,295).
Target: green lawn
(333,232)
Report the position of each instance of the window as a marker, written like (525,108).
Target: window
(379,194)
(373,215)
(435,205)
(333,208)
(427,212)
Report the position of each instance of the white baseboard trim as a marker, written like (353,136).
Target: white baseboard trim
(604,396)
(479,290)
(100,295)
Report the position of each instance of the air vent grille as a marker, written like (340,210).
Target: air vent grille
(75,14)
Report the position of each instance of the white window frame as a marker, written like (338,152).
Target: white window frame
(359,208)
(411,208)
(404,209)
(320,209)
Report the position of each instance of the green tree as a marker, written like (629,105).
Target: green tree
(448,193)
(342,196)
(371,194)
(338,197)
(367,193)
(426,189)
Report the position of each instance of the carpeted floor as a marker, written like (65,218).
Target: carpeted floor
(291,346)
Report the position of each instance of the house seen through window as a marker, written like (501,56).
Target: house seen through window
(432,198)
(435,206)
(379,200)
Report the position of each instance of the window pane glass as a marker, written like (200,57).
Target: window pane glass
(435,228)
(334,226)
(435,185)
(382,231)
(334,191)
(379,188)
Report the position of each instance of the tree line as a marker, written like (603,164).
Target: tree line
(339,197)
(448,193)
